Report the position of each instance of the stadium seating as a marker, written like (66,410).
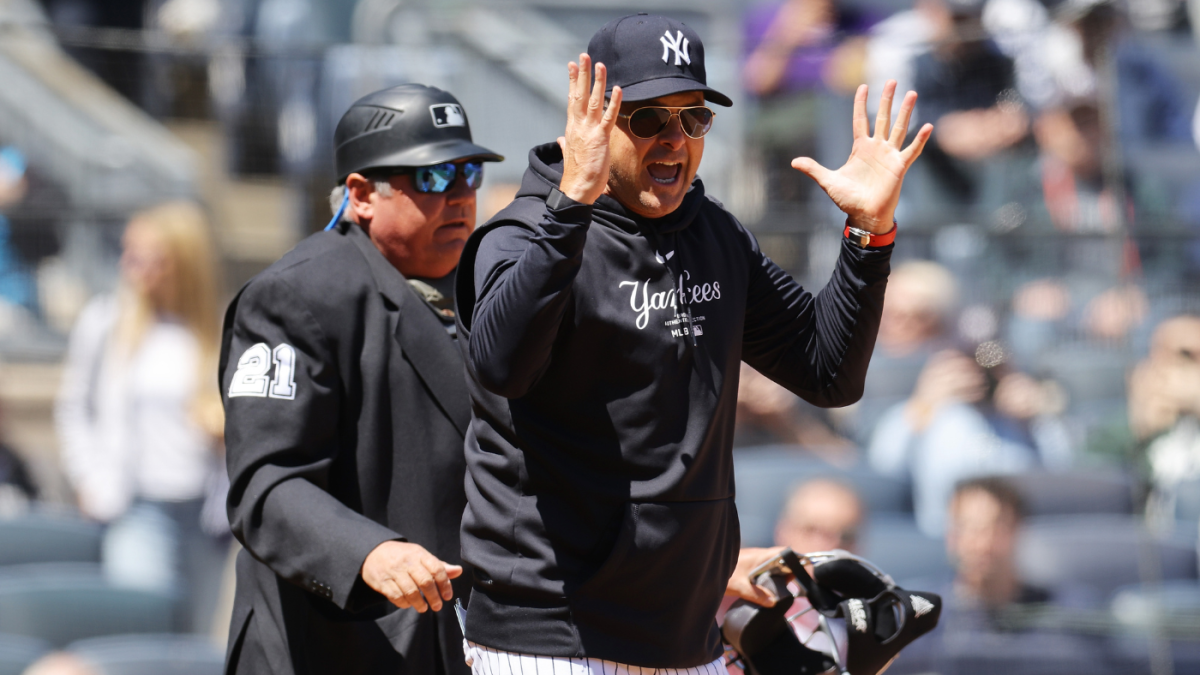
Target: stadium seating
(1171,606)
(765,475)
(1087,372)
(18,651)
(151,654)
(1023,654)
(64,602)
(45,537)
(1142,604)
(1102,551)
(1049,493)
(893,542)
(1174,607)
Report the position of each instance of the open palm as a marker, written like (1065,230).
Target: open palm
(867,187)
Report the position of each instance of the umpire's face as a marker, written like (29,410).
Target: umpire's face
(421,233)
(651,176)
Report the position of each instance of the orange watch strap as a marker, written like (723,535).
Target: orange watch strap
(868,240)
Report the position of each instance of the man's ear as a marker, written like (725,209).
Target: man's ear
(361,203)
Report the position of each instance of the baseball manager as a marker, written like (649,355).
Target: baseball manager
(603,316)
(346,410)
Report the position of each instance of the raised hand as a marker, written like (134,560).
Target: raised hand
(589,126)
(867,187)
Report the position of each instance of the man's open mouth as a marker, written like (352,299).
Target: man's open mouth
(665,173)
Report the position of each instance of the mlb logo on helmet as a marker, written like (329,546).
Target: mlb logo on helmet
(448,115)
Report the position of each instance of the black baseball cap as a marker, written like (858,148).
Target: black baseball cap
(406,126)
(649,56)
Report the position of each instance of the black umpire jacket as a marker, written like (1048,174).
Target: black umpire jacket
(345,412)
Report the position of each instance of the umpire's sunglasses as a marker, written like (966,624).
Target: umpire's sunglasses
(441,178)
(649,122)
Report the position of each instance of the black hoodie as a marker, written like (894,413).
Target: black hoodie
(602,353)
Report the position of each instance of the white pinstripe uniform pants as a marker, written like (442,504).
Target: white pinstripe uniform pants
(488,661)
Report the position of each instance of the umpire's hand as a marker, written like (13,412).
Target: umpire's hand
(409,576)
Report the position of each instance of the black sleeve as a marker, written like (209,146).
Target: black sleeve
(281,438)
(816,346)
(523,283)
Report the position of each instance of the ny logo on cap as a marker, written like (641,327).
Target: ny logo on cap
(677,44)
(448,115)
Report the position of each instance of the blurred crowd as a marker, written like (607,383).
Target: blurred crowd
(946,401)
(1045,111)
(1042,316)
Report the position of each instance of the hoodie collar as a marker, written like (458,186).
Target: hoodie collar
(545,173)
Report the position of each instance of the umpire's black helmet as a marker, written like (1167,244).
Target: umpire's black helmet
(406,126)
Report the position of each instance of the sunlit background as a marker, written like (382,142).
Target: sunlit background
(1040,324)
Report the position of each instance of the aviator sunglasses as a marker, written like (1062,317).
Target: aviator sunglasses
(648,122)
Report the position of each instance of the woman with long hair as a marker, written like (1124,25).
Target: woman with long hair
(139,414)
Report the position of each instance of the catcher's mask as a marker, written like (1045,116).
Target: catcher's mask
(881,618)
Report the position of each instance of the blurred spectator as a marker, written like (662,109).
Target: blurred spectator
(820,515)
(801,44)
(981,539)
(1039,311)
(968,417)
(1113,314)
(968,91)
(768,414)
(16,283)
(796,50)
(920,301)
(1049,311)
(1074,187)
(984,524)
(1084,41)
(918,312)
(1164,410)
(1108,102)
(139,416)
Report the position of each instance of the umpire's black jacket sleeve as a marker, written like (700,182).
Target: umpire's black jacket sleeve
(280,503)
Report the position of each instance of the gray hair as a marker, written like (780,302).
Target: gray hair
(382,185)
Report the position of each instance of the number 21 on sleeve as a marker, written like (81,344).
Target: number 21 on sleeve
(251,378)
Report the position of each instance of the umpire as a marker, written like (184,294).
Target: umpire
(346,410)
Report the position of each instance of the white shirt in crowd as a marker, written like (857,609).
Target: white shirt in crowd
(124,423)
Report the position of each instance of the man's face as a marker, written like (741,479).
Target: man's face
(421,233)
(820,517)
(982,536)
(651,176)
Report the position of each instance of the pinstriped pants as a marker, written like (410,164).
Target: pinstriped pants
(488,661)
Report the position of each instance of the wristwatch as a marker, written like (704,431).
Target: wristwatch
(864,239)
